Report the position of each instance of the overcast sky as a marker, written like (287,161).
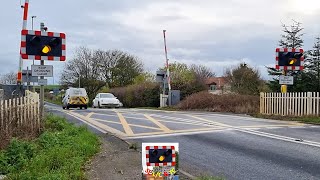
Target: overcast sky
(215,33)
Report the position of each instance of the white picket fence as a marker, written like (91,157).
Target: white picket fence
(290,104)
(20,116)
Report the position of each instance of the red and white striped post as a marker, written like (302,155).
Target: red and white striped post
(24,27)
(167,60)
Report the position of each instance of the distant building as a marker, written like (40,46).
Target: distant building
(218,85)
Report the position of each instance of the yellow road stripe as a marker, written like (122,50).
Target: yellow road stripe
(125,124)
(162,127)
(89,115)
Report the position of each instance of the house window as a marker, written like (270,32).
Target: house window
(213,87)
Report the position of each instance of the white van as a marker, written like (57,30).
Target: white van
(74,98)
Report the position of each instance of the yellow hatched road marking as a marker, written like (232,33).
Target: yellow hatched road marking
(98,124)
(162,127)
(125,124)
(136,125)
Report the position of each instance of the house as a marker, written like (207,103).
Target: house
(218,85)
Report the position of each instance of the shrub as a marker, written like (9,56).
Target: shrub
(234,103)
(138,95)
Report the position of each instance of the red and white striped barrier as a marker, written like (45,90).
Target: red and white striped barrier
(24,26)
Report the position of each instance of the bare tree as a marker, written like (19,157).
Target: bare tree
(98,68)
(8,78)
(202,72)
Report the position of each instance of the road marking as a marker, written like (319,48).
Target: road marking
(102,120)
(252,119)
(178,131)
(212,122)
(125,124)
(270,126)
(176,134)
(89,124)
(274,136)
(162,127)
(178,122)
(103,128)
(98,124)
(284,138)
(136,125)
(89,115)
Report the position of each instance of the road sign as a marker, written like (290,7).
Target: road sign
(42,70)
(27,77)
(288,80)
(42,82)
(160,76)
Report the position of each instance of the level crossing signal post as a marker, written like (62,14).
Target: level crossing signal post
(43,45)
(289,60)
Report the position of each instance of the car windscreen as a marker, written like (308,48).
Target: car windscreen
(107,96)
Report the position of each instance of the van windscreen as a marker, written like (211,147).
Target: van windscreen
(78,92)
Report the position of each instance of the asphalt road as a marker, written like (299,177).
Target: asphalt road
(235,147)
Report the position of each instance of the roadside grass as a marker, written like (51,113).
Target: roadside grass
(305,119)
(54,99)
(60,152)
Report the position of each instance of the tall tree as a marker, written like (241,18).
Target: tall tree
(292,38)
(244,80)
(312,66)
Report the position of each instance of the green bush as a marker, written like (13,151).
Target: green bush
(59,153)
(138,95)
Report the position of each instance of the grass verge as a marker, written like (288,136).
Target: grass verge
(60,152)
(304,119)
(54,100)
